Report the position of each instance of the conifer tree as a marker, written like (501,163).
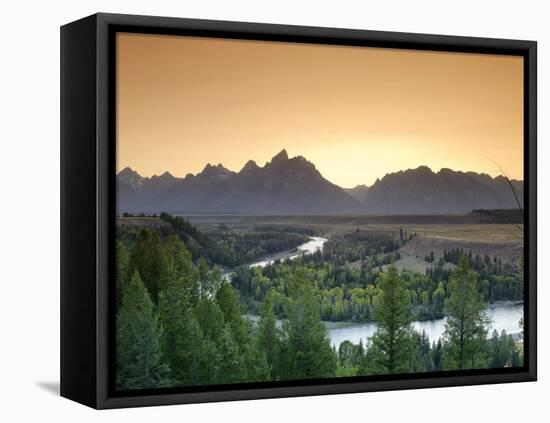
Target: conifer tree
(197,359)
(466,326)
(253,360)
(501,350)
(437,355)
(268,337)
(182,341)
(421,359)
(309,352)
(228,302)
(140,362)
(150,260)
(389,347)
(172,313)
(231,363)
(210,319)
(255,363)
(360,351)
(179,260)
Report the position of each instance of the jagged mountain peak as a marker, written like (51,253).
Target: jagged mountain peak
(280,157)
(214,172)
(128,171)
(281,163)
(164,176)
(249,166)
(130,177)
(420,170)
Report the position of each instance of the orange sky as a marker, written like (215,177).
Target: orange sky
(357,113)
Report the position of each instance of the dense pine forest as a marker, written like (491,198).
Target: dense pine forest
(182,322)
(347,292)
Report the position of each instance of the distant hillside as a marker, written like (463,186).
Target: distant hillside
(358,192)
(422,191)
(135,193)
(294,186)
(197,242)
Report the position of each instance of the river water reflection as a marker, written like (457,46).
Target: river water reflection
(505,317)
(314,244)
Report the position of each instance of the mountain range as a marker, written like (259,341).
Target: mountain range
(294,186)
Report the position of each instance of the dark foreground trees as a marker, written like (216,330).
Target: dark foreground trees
(194,332)
(502,351)
(465,334)
(269,338)
(396,348)
(140,361)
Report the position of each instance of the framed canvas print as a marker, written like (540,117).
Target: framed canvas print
(255,211)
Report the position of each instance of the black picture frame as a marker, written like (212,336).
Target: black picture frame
(88,207)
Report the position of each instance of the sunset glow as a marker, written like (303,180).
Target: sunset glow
(357,113)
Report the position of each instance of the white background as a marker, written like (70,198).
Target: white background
(29,235)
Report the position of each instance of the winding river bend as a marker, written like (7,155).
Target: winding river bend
(314,244)
(503,316)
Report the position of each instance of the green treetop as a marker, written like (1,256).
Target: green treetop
(268,337)
(140,363)
(389,347)
(466,327)
(150,260)
(308,350)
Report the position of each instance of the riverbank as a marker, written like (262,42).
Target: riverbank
(314,244)
(504,316)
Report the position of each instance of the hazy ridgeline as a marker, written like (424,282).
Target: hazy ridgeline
(294,185)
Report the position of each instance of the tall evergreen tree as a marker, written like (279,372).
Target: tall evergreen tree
(437,355)
(210,318)
(268,337)
(466,326)
(179,262)
(360,351)
(421,358)
(255,362)
(197,358)
(501,350)
(140,362)
(150,260)
(183,342)
(231,366)
(308,351)
(228,301)
(389,347)
(172,308)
